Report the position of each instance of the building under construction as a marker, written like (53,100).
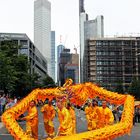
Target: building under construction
(110,61)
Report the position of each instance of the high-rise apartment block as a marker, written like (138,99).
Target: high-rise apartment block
(88,29)
(42,29)
(111,61)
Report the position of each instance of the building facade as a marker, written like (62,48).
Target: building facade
(72,68)
(87,29)
(112,61)
(59,50)
(42,29)
(38,63)
(68,66)
(53,58)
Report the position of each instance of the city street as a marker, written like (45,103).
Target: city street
(81,127)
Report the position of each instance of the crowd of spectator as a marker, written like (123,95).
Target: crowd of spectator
(6,102)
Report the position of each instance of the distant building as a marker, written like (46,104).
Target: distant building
(38,63)
(111,61)
(68,66)
(88,29)
(81,6)
(53,59)
(42,29)
(59,50)
(72,68)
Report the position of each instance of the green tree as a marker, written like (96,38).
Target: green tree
(134,88)
(8,75)
(48,82)
(119,87)
(14,76)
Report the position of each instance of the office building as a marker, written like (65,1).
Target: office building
(53,59)
(42,29)
(88,29)
(59,50)
(72,68)
(68,66)
(111,61)
(37,61)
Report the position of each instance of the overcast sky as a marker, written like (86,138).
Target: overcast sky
(121,17)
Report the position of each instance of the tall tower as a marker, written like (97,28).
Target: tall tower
(42,29)
(53,57)
(81,6)
(87,29)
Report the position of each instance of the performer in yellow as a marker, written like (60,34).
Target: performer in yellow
(95,115)
(72,113)
(65,120)
(32,120)
(88,112)
(48,116)
(106,115)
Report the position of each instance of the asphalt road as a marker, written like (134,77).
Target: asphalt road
(81,127)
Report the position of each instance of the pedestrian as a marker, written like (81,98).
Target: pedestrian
(10,103)
(119,113)
(48,116)
(3,102)
(136,113)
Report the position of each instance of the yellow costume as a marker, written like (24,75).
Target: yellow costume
(32,122)
(89,111)
(106,117)
(72,113)
(48,116)
(95,117)
(66,125)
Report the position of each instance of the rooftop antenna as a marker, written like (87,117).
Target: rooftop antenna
(65,40)
(60,39)
(75,48)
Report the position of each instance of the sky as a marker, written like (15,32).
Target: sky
(121,17)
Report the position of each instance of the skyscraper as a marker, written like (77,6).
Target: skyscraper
(42,29)
(59,50)
(88,29)
(53,61)
(81,6)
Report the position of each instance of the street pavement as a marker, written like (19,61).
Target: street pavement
(81,126)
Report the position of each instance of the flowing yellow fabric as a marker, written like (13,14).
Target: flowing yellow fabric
(72,113)
(32,122)
(106,117)
(48,116)
(65,119)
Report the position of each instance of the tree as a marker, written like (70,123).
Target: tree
(8,75)
(134,88)
(119,87)
(14,76)
(48,82)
